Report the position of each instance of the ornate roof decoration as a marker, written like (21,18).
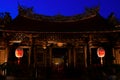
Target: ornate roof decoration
(5,18)
(28,13)
(112,19)
(29,21)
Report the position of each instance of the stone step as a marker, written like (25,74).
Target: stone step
(18,78)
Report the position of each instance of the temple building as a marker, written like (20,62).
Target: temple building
(62,41)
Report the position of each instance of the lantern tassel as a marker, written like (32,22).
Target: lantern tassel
(18,60)
(101,60)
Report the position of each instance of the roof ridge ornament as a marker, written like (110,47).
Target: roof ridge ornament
(93,10)
(25,11)
(28,13)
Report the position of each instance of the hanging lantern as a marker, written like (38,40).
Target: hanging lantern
(100,52)
(19,52)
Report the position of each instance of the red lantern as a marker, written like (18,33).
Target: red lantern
(19,54)
(100,52)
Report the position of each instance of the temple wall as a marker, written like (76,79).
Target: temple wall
(3,52)
(82,48)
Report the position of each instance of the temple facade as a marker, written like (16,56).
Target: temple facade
(62,41)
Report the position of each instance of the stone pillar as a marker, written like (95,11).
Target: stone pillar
(29,53)
(69,56)
(45,59)
(74,55)
(50,52)
(90,45)
(85,52)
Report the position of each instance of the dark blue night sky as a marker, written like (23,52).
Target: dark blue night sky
(63,7)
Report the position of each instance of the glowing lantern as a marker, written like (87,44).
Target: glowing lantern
(101,53)
(19,54)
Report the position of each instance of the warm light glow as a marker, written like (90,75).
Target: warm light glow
(59,44)
(16,41)
(100,52)
(44,47)
(19,52)
(56,63)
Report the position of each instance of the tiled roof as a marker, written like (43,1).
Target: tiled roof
(95,23)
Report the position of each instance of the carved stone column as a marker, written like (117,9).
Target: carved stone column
(29,54)
(50,52)
(85,49)
(45,58)
(74,55)
(69,56)
(90,44)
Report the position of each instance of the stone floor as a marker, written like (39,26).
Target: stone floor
(93,73)
(92,76)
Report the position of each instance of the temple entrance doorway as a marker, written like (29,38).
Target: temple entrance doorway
(94,57)
(24,60)
(20,67)
(59,59)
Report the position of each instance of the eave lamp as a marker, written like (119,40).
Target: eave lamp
(19,54)
(59,44)
(101,54)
